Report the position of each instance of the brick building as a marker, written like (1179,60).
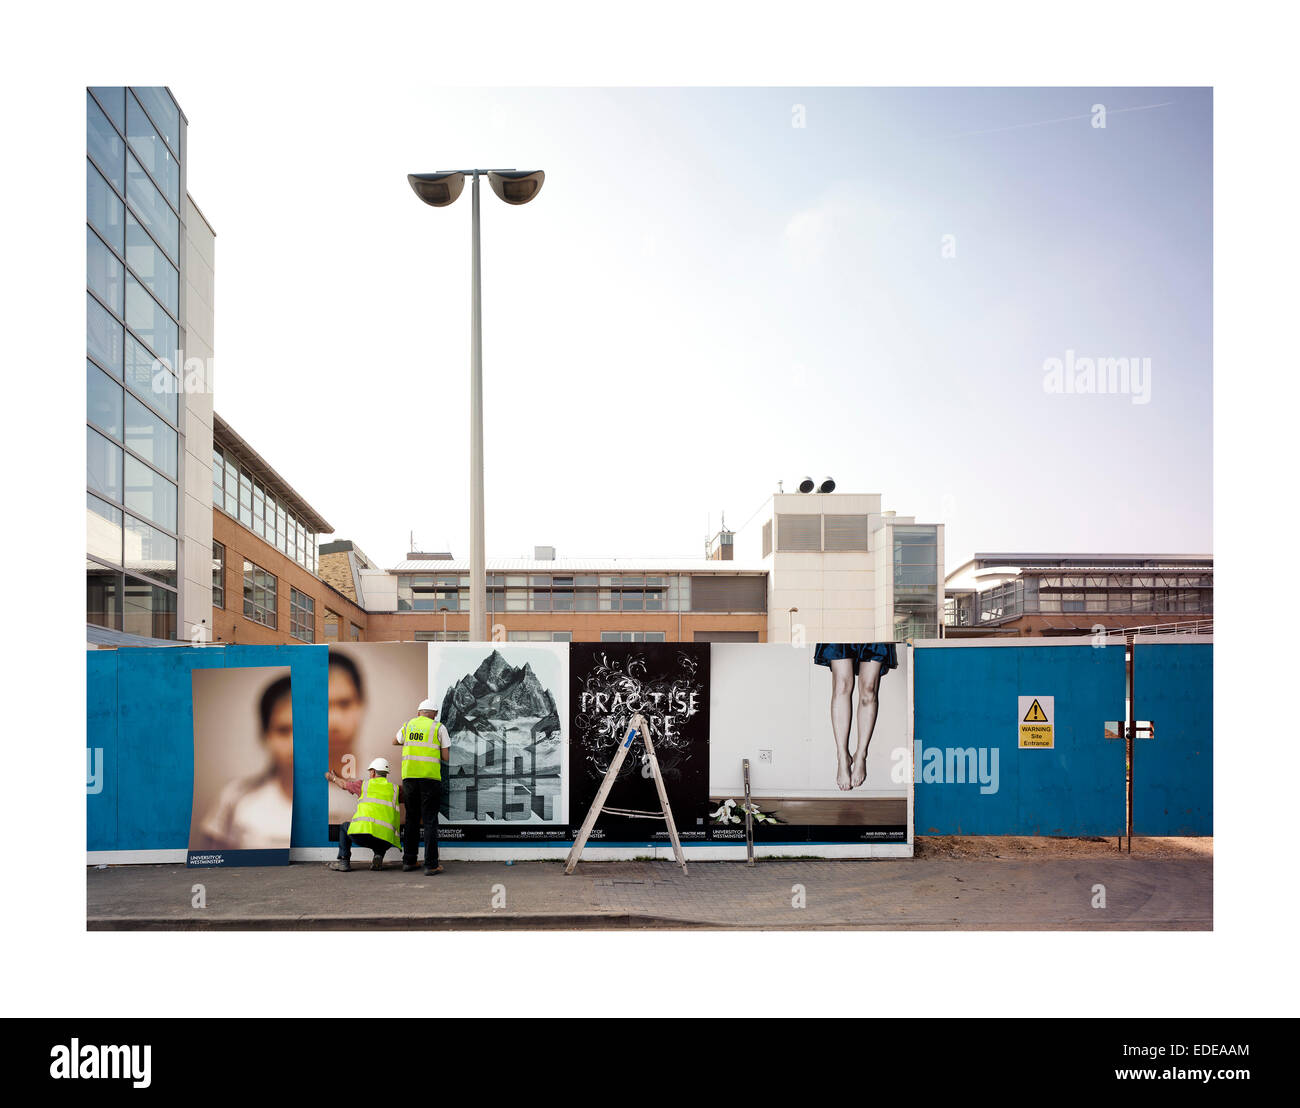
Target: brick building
(265,585)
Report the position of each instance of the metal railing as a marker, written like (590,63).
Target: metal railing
(1191,627)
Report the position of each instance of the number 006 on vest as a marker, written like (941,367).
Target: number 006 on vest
(422,748)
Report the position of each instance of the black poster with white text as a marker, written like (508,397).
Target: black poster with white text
(668,683)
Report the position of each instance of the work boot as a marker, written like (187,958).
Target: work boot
(341,866)
(376,862)
(409,867)
(430,871)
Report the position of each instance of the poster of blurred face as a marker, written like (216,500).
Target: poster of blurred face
(826,732)
(374,688)
(242,811)
(505,707)
(668,683)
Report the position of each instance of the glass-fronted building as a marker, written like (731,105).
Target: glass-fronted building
(135,140)
(1046,594)
(149,333)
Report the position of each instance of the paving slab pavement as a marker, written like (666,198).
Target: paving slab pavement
(1040,892)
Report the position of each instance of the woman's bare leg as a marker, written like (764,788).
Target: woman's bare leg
(842,717)
(869,674)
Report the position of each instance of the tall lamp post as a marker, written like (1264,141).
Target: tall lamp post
(439,190)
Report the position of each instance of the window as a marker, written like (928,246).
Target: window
(104,210)
(103,530)
(110,96)
(151,378)
(103,597)
(218,478)
(259,595)
(103,466)
(163,111)
(632,636)
(103,400)
(151,438)
(218,575)
(148,551)
(151,265)
(331,626)
(104,273)
(147,202)
(915,575)
(153,153)
(148,610)
(354,632)
(103,337)
(103,143)
(539,636)
(302,616)
(437,636)
(150,321)
(149,494)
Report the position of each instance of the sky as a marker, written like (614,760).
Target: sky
(717,290)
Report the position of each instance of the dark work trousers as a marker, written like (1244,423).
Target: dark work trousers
(373,841)
(423,797)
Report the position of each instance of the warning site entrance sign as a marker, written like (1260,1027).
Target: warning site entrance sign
(1036,716)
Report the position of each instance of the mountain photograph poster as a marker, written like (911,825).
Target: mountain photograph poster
(505,708)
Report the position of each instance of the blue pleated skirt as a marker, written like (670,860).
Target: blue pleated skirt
(884,652)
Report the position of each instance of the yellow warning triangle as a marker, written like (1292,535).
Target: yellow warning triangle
(1035,713)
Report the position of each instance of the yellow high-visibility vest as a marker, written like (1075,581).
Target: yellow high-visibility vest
(376,812)
(422,748)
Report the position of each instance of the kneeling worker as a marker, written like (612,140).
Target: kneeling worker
(424,752)
(374,824)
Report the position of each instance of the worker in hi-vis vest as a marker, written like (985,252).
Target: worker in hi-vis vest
(374,824)
(424,752)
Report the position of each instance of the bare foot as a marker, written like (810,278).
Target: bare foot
(859,772)
(842,778)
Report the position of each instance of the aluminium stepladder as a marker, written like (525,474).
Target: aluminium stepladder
(636,726)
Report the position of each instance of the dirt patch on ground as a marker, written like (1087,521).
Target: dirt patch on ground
(1021,847)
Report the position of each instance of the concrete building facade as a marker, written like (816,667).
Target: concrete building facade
(842,569)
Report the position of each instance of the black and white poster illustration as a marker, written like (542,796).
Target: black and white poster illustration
(505,707)
(668,683)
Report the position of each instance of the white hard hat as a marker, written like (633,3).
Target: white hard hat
(427,705)
(379,764)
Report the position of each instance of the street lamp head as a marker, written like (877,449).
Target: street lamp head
(437,189)
(518,187)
